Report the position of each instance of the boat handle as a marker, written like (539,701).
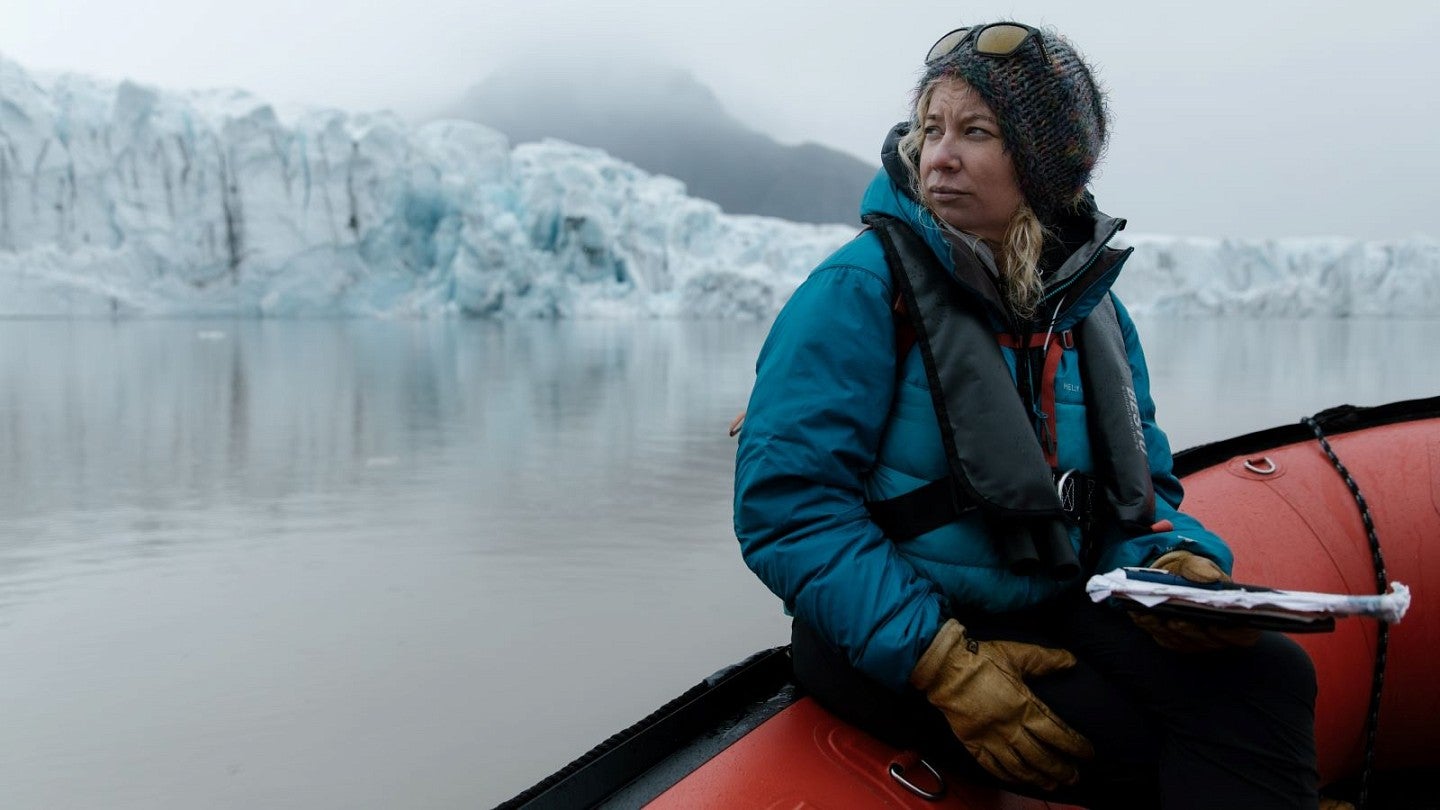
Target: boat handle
(1254,465)
(897,772)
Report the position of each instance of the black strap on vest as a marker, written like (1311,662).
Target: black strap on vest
(996,462)
(938,503)
(920,510)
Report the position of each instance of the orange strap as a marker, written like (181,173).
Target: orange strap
(1055,345)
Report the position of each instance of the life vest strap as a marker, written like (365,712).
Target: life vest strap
(1054,344)
(1066,339)
(940,502)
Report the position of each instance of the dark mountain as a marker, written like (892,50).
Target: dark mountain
(666,122)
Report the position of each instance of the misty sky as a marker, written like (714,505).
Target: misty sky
(1250,119)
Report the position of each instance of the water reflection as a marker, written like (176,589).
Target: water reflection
(1217,378)
(361,564)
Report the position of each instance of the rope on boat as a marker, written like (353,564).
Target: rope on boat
(1382,645)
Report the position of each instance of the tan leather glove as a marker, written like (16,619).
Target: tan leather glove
(1185,636)
(980,687)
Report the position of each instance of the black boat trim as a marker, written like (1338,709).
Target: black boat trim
(1340,419)
(653,754)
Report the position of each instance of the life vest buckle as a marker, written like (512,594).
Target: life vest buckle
(1079,497)
(1065,487)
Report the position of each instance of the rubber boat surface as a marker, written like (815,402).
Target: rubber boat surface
(746,737)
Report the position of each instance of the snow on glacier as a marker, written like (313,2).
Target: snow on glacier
(127,200)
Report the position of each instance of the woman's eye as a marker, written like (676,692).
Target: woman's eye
(977,132)
(932,130)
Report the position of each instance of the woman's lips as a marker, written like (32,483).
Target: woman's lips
(945,193)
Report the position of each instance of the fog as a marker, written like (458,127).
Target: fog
(1230,119)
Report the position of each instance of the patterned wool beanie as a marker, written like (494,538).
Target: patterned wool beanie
(1052,113)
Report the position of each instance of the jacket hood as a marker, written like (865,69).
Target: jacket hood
(890,194)
(892,164)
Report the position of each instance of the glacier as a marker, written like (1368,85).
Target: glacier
(118,199)
(1295,277)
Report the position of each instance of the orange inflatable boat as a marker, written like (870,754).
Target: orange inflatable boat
(1343,502)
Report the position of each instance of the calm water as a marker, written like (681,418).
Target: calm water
(421,565)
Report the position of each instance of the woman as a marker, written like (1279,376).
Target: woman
(951,428)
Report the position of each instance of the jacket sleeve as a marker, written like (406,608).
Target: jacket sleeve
(824,384)
(1186,532)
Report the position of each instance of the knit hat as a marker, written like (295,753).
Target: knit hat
(1052,113)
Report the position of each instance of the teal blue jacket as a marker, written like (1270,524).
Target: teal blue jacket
(833,422)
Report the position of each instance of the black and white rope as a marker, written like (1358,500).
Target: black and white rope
(1382,644)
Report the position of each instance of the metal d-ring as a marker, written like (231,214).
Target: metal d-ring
(1065,488)
(1269,467)
(897,772)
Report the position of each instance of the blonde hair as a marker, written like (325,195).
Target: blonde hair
(1024,240)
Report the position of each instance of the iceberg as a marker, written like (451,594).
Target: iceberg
(126,200)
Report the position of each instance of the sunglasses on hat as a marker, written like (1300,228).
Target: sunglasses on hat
(996,39)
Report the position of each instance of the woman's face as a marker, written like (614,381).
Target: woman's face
(966,176)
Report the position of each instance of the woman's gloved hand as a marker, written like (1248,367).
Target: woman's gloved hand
(980,688)
(1185,636)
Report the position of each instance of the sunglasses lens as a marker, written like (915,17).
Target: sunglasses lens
(946,44)
(1001,40)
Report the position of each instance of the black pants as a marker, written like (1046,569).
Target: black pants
(1234,728)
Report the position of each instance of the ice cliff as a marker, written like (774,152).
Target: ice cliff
(123,199)
(1332,276)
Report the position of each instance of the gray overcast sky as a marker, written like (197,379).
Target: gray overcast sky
(1232,117)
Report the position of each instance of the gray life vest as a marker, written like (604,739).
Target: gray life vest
(996,460)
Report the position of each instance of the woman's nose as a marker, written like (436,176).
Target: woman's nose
(946,156)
